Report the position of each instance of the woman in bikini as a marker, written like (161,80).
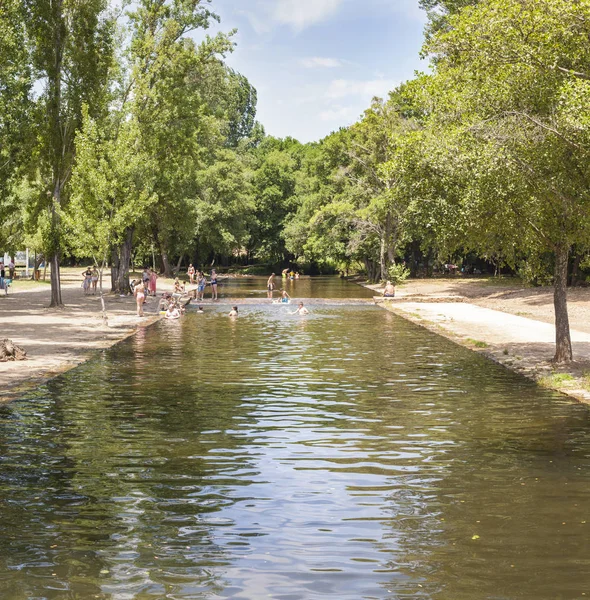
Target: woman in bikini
(139,292)
(87,280)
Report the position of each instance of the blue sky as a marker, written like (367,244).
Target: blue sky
(317,63)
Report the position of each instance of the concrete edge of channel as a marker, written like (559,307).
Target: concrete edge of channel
(15,391)
(530,372)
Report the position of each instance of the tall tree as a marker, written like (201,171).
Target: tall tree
(513,76)
(72,53)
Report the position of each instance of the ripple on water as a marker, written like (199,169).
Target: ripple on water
(349,455)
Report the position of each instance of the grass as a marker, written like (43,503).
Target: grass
(586,381)
(477,343)
(556,380)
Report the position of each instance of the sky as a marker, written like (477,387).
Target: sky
(316,64)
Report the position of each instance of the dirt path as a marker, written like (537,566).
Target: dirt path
(507,322)
(58,339)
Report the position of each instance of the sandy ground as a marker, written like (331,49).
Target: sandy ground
(58,339)
(507,322)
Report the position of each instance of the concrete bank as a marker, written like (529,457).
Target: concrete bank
(522,344)
(57,340)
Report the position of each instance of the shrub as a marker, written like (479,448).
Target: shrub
(398,274)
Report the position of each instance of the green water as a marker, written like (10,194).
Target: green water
(347,454)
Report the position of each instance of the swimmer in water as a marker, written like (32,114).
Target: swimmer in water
(173,312)
(285,298)
(301,310)
(233,312)
(200,311)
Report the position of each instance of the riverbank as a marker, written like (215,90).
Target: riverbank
(57,340)
(505,321)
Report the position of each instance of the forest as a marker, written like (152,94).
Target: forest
(125,138)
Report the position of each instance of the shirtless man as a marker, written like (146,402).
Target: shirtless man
(270,286)
(389,291)
(301,310)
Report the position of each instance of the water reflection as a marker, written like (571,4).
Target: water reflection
(348,454)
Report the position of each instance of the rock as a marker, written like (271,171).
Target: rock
(10,351)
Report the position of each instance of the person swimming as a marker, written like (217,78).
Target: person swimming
(301,310)
(233,312)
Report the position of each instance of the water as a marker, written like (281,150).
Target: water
(348,454)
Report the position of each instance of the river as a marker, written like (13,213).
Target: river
(346,454)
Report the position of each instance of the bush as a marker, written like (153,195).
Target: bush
(398,274)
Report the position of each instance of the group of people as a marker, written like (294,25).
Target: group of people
(200,279)
(285,273)
(285,298)
(90,280)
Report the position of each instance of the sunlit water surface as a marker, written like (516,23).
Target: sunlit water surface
(347,454)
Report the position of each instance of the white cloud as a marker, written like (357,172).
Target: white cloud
(342,88)
(318,61)
(338,113)
(297,14)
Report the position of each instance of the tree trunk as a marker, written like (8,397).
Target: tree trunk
(383,259)
(125,261)
(121,258)
(177,270)
(415,259)
(563,342)
(39,258)
(166,270)
(576,270)
(56,152)
(115,262)
(55,282)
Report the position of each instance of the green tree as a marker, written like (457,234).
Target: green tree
(72,53)
(513,75)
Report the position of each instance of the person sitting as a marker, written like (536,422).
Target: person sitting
(389,291)
(173,312)
(285,298)
(233,312)
(178,287)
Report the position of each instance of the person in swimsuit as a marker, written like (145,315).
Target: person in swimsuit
(139,293)
(178,287)
(94,279)
(153,282)
(173,312)
(201,284)
(233,312)
(389,291)
(87,280)
(200,311)
(191,273)
(213,285)
(270,286)
(285,298)
(301,310)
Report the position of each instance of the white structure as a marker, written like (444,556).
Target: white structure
(22,260)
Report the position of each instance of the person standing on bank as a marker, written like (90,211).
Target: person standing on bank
(94,279)
(139,293)
(270,286)
(213,284)
(87,280)
(153,282)
(191,274)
